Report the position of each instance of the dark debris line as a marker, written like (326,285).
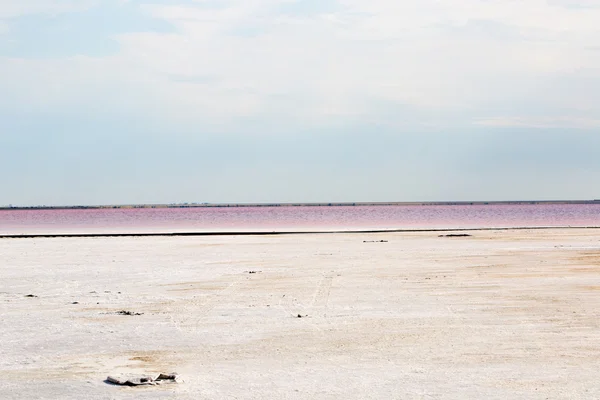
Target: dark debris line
(96,235)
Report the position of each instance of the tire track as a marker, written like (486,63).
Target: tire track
(322,293)
(193,310)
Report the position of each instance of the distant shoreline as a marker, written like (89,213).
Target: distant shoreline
(285,233)
(333,204)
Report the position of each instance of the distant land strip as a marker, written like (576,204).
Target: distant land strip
(343,204)
(267,233)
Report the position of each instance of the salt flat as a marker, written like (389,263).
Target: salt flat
(499,315)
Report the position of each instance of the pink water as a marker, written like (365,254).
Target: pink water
(221,219)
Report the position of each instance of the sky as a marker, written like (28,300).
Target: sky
(120,102)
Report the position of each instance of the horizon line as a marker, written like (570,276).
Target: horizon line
(296,204)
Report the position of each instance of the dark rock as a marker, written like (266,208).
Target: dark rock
(142,380)
(456,235)
(130,313)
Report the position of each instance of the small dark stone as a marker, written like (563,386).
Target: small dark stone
(130,313)
(456,235)
(75,302)
(31,295)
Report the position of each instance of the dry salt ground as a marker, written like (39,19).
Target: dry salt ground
(498,315)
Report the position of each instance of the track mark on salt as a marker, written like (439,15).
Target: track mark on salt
(194,310)
(321,296)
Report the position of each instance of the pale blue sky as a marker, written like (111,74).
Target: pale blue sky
(116,101)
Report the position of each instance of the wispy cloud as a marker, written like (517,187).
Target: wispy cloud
(73,29)
(14,9)
(541,122)
(436,55)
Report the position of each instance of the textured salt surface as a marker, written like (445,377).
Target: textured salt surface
(501,314)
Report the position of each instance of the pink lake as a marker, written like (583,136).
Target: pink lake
(305,218)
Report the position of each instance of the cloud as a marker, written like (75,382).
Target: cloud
(541,122)
(220,64)
(14,9)
(69,31)
(575,4)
